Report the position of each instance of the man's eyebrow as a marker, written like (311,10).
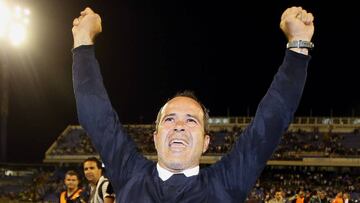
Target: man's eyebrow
(192,116)
(167,115)
(187,115)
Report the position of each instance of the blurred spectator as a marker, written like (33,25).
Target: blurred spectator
(72,192)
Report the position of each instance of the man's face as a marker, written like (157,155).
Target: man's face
(71,182)
(278,195)
(92,172)
(180,139)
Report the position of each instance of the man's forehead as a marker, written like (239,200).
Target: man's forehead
(71,177)
(90,164)
(182,103)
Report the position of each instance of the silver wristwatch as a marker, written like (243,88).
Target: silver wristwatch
(300,44)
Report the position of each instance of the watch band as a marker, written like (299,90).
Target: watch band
(300,44)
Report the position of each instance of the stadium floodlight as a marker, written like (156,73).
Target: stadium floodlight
(14,21)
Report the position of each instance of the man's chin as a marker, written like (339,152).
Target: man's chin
(177,149)
(177,166)
(90,179)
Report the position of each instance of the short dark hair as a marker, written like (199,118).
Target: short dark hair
(189,94)
(72,173)
(94,159)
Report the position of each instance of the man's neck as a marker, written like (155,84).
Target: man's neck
(70,191)
(94,183)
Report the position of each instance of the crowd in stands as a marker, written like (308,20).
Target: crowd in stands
(320,144)
(294,144)
(46,184)
(311,183)
(31,187)
(75,142)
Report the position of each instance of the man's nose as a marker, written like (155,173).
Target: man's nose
(179,126)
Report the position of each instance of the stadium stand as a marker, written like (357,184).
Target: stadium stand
(317,156)
(308,141)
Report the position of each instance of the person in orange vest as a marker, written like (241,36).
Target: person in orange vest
(72,192)
(279,197)
(338,198)
(300,197)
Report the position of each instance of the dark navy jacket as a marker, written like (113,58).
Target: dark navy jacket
(135,179)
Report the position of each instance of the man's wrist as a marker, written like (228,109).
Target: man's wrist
(304,51)
(300,44)
(84,40)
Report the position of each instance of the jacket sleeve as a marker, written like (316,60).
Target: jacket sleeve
(100,121)
(239,169)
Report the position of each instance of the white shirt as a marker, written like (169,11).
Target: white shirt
(164,174)
(96,198)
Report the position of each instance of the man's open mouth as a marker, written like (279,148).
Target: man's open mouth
(178,143)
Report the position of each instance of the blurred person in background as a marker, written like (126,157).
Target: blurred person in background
(98,183)
(73,191)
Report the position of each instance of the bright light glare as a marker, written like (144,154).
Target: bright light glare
(13,23)
(4,19)
(17,34)
(18,11)
(26,12)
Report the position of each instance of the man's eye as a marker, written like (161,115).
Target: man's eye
(168,119)
(190,120)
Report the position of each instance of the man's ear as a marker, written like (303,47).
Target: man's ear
(154,137)
(206,143)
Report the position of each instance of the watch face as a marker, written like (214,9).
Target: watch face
(300,44)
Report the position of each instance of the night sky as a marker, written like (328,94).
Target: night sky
(227,52)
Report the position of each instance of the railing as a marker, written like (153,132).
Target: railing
(298,120)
